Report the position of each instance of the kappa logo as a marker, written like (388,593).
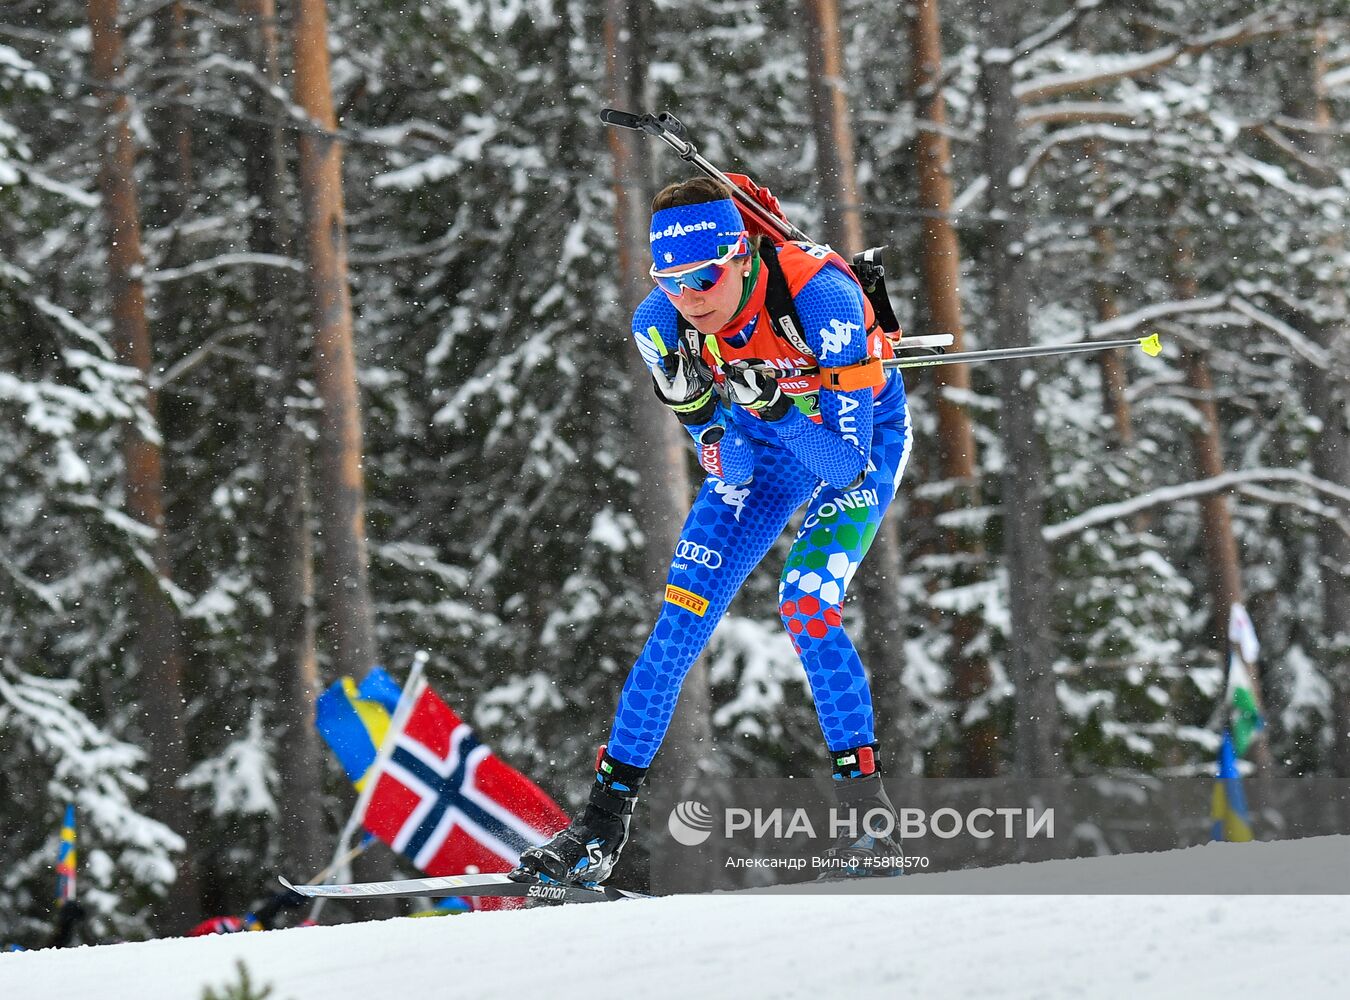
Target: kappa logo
(839,337)
(700,554)
(679,229)
(733,496)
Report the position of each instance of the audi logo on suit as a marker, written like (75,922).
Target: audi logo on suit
(700,554)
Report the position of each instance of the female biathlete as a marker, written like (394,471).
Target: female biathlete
(831,431)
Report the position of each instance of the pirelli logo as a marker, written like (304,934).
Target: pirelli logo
(682,598)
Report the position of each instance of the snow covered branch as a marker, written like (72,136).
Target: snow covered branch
(1131,321)
(1290,149)
(70,324)
(1109,133)
(970,195)
(1333,514)
(47,595)
(77,195)
(1305,348)
(1078,112)
(1057,28)
(168,274)
(199,354)
(1189,491)
(1308,127)
(248,71)
(1112,68)
(1241,309)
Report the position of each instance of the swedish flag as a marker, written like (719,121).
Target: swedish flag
(354,719)
(1228,807)
(65,858)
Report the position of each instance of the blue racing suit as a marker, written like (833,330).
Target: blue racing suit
(841,453)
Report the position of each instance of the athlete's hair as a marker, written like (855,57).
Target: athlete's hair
(696,191)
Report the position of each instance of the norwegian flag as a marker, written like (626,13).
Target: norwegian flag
(448,804)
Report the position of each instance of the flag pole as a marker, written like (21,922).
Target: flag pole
(344,859)
(66,857)
(342,856)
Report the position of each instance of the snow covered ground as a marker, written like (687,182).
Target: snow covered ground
(915,945)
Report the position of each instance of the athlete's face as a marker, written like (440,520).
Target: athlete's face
(711,310)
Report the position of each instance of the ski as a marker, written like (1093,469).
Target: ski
(466,885)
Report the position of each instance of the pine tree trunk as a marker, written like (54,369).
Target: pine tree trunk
(1216,520)
(1221,555)
(171,174)
(341,481)
(1108,308)
(832,126)
(158,645)
(172,159)
(289,570)
(1115,401)
(1221,552)
(658,445)
(1331,461)
(1330,397)
(1031,647)
(941,265)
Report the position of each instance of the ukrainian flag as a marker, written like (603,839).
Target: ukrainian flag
(65,858)
(1228,808)
(354,719)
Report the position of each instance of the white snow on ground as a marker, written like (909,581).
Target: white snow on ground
(915,945)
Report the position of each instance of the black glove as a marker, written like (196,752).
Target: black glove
(756,389)
(685,384)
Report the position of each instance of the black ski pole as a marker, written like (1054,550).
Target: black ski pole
(672,132)
(1150,345)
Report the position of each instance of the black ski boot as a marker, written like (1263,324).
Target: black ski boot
(868,844)
(585,853)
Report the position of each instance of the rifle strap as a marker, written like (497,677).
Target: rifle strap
(778,300)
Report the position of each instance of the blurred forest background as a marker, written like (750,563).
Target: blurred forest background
(315,353)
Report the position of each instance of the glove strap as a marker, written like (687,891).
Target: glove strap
(693,404)
(697,411)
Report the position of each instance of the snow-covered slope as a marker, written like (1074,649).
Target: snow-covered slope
(915,945)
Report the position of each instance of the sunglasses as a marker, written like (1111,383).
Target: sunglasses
(700,277)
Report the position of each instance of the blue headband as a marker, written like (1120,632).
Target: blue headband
(691,234)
